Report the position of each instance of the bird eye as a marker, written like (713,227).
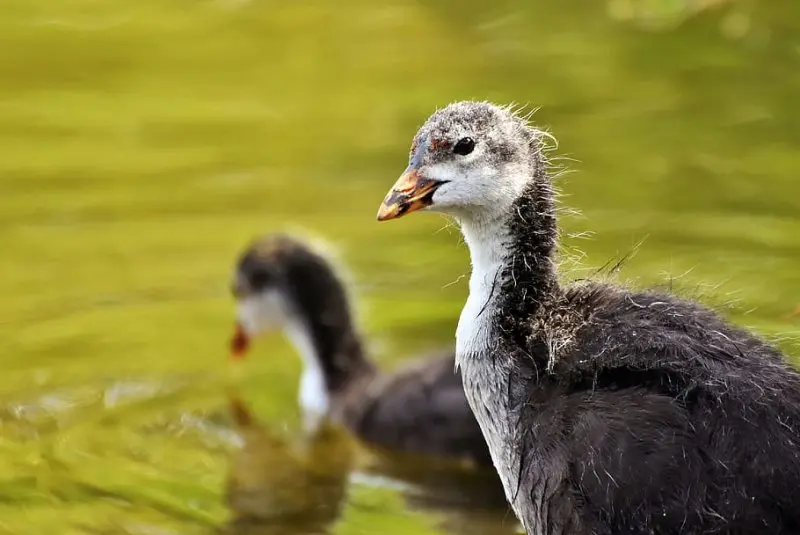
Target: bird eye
(464,146)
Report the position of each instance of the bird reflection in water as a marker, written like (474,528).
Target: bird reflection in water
(275,488)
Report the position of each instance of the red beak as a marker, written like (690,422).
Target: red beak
(240,342)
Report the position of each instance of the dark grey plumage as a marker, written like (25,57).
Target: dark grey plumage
(606,410)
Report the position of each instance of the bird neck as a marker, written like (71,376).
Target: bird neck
(513,274)
(513,280)
(529,281)
(322,331)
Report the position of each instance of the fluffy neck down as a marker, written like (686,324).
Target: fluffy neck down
(513,279)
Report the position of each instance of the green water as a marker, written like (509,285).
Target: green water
(142,143)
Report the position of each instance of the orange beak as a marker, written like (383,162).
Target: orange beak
(240,342)
(411,192)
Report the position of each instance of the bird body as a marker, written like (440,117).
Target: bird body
(606,410)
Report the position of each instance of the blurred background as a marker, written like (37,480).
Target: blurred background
(144,143)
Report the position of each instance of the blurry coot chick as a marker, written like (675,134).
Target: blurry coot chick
(280,282)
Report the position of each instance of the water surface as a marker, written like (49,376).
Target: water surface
(143,143)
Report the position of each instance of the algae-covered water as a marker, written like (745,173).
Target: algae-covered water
(143,143)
